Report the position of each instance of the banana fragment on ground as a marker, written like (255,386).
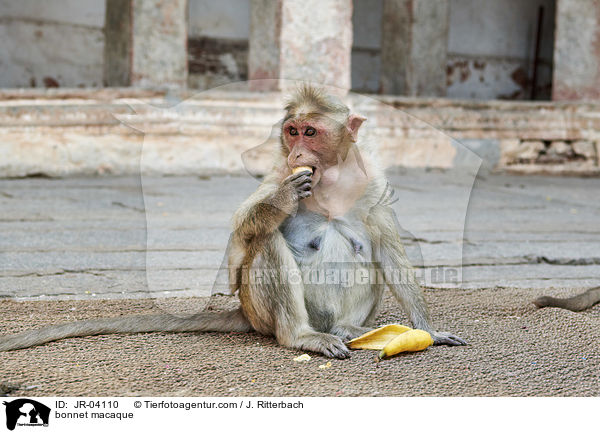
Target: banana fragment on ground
(325,366)
(302,168)
(305,357)
(409,341)
(378,338)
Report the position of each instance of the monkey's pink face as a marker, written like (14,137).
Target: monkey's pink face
(311,142)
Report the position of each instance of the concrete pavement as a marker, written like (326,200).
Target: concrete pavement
(81,238)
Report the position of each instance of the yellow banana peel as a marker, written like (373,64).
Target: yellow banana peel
(378,338)
(410,341)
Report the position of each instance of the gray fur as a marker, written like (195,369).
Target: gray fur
(579,302)
(206,321)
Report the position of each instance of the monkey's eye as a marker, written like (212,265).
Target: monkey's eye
(310,131)
(293,131)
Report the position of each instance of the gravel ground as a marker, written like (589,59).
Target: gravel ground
(514,350)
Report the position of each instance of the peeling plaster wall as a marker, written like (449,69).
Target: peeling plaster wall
(577,54)
(51,43)
(491,49)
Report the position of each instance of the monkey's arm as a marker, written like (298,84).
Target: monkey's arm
(264,211)
(260,216)
(399,273)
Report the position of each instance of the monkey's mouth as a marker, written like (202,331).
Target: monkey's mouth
(315,176)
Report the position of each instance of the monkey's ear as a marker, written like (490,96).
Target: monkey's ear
(354,122)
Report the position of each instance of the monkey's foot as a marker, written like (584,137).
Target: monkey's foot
(348,332)
(447,338)
(329,345)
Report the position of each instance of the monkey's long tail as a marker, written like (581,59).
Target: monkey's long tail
(575,303)
(206,321)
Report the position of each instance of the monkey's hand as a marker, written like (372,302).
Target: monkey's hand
(293,189)
(447,338)
(329,345)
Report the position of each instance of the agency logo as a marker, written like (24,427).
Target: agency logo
(26,412)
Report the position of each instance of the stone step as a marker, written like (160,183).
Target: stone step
(110,132)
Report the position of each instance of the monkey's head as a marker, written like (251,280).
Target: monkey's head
(317,131)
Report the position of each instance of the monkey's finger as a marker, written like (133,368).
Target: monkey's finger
(456,341)
(301,179)
(301,182)
(339,355)
(304,194)
(337,352)
(304,173)
(306,186)
(448,339)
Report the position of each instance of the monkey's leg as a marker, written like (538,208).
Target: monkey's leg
(206,321)
(579,302)
(348,332)
(274,302)
(410,295)
(400,275)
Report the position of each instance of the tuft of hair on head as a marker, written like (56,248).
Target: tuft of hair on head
(310,99)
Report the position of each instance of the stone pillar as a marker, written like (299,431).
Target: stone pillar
(413,47)
(289,40)
(146,43)
(576,72)
(117,46)
(264,44)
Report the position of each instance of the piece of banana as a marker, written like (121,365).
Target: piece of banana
(302,168)
(410,341)
(378,338)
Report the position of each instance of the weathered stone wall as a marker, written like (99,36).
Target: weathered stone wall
(555,156)
(290,41)
(413,48)
(51,43)
(62,43)
(491,48)
(577,53)
(62,132)
(159,43)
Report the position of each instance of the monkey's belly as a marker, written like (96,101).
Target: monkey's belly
(334,259)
